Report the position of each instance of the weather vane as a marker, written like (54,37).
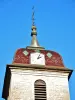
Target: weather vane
(33,23)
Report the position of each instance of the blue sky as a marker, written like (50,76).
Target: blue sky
(55,21)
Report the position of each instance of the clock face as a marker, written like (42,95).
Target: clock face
(37,58)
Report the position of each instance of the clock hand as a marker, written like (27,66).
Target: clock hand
(38,57)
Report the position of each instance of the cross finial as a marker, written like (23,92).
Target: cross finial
(33,16)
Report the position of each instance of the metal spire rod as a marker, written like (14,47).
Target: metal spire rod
(33,19)
(34,41)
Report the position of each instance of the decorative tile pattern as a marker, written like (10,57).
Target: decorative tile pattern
(37,51)
(52,58)
(49,55)
(25,53)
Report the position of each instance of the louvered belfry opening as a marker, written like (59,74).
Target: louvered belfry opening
(40,90)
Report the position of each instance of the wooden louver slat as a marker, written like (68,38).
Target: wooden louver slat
(40,90)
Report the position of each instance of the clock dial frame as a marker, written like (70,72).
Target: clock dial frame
(37,58)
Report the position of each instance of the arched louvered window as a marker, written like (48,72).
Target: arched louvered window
(40,90)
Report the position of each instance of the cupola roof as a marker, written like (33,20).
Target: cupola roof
(22,55)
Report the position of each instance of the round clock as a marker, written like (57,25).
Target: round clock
(37,58)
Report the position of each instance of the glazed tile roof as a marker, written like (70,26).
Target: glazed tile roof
(22,56)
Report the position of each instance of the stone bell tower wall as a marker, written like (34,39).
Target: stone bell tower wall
(23,79)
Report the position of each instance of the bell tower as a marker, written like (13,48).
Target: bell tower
(36,74)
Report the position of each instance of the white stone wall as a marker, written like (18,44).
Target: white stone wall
(22,84)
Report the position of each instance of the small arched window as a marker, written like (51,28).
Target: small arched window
(40,90)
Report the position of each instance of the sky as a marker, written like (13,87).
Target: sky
(55,21)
